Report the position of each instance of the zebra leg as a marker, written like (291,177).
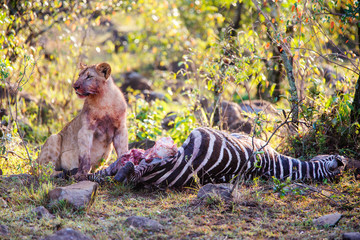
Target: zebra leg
(66,174)
(124,172)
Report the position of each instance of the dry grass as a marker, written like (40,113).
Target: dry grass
(257,212)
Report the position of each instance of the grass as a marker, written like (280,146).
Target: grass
(257,212)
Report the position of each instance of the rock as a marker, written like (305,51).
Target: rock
(4,230)
(232,117)
(328,220)
(3,112)
(80,195)
(42,212)
(22,179)
(241,126)
(215,191)
(351,236)
(135,81)
(240,117)
(143,222)
(178,67)
(168,122)
(230,112)
(152,96)
(67,234)
(258,106)
(3,203)
(331,75)
(354,166)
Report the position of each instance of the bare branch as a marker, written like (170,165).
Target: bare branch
(256,151)
(327,59)
(16,110)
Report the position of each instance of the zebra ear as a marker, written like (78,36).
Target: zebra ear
(341,161)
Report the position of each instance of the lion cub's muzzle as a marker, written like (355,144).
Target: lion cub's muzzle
(80,93)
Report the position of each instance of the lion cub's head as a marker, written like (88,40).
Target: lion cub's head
(91,79)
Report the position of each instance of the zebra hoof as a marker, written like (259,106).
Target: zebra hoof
(124,172)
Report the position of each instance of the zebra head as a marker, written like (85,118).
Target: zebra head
(333,164)
(337,163)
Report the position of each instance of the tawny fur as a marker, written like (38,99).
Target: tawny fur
(99,127)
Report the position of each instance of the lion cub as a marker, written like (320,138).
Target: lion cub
(90,136)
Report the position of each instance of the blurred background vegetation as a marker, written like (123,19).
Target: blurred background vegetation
(234,65)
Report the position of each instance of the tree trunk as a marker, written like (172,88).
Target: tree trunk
(288,64)
(294,100)
(237,19)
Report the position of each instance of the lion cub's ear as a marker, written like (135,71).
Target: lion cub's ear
(104,69)
(82,66)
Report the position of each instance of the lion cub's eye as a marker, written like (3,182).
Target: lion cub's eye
(88,77)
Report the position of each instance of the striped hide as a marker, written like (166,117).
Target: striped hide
(217,157)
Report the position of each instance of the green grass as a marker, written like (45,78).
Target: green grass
(256,212)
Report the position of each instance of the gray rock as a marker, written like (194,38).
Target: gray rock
(3,203)
(80,195)
(135,81)
(4,230)
(328,220)
(168,122)
(42,212)
(152,96)
(143,222)
(24,179)
(215,191)
(67,234)
(351,236)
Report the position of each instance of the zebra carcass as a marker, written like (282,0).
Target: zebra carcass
(213,156)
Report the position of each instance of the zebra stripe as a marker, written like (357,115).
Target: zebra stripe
(215,156)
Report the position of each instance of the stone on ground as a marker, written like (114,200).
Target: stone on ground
(4,230)
(351,236)
(67,234)
(80,195)
(3,203)
(143,222)
(328,220)
(215,191)
(42,212)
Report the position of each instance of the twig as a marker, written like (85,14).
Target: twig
(303,185)
(327,59)
(237,180)
(14,153)
(16,110)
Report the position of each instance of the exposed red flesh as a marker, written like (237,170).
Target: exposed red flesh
(165,147)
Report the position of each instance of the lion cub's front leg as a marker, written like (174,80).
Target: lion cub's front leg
(121,139)
(51,151)
(85,139)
